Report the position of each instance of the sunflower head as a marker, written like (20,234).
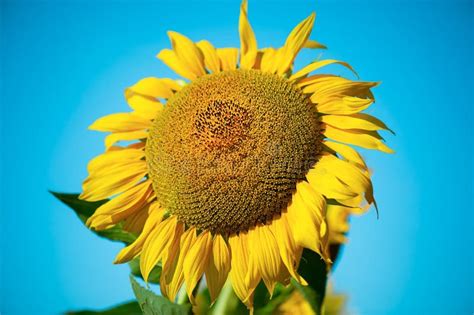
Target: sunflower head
(228,175)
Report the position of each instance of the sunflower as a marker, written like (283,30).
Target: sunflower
(231,178)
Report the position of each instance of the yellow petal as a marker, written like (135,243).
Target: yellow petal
(196,261)
(354,121)
(187,53)
(120,122)
(243,288)
(155,215)
(267,63)
(319,64)
(171,289)
(218,267)
(295,41)
(248,42)
(144,106)
(115,137)
(312,44)
(113,157)
(356,137)
(156,243)
(153,88)
(211,59)
(286,245)
(265,254)
(347,153)
(171,59)
(304,223)
(169,261)
(322,179)
(113,179)
(136,221)
(120,207)
(228,58)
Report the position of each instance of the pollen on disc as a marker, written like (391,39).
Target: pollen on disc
(228,149)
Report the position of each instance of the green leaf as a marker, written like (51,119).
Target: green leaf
(130,308)
(152,304)
(84,209)
(314,270)
(155,273)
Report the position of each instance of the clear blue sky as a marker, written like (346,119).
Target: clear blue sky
(66,63)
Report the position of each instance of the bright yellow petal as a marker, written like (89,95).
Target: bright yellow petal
(171,289)
(187,53)
(155,245)
(248,42)
(267,63)
(354,121)
(196,261)
(170,59)
(155,215)
(136,221)
(286,245)
(211,59)
(120,207)
(115,137)
(143,106)
(304,222)
(120,122)
(169,261)
(113,157)
(243,288)
(322,179)
(113,179)
(347,153)
(295,41)
(228,58)
(316,65)
(153,88)
(218,267)
(265,254)
(312,44)
(356,137)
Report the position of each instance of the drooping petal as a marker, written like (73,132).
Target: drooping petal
(347,153)
(135,222)
(155,215)
(196,261)
(319,64)
(211,59)
(155,245)
(120,122)
(228,58)
(265,255)
(306,226)
(120,207)
(248,42)
(171,289)
(244,281)
(286,245)
(218,267)
(356,137)
(295,41)
(143,106)
(321,179)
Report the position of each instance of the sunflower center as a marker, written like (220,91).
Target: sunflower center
(228,149)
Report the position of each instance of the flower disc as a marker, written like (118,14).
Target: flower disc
(228,149)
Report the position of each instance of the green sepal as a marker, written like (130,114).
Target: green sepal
(152,304)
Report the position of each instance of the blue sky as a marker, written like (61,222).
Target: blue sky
(65,63)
